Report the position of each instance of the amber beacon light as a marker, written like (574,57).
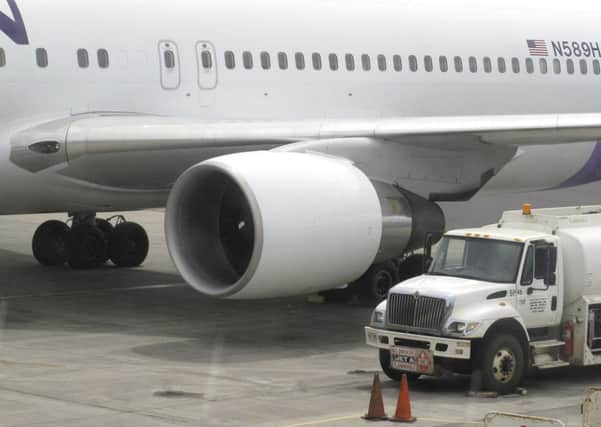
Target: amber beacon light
(527,209)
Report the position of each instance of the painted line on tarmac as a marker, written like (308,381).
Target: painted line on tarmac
(93,292)
(358,417)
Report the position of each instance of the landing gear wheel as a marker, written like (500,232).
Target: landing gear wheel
(412,266)
(107,229)
(129,245)
(87,245)
(377,281)
(501,364)
(50,243)
(394,374)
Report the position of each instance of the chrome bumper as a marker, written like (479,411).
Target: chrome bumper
(441,347)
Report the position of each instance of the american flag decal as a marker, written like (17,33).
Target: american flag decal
(538,48)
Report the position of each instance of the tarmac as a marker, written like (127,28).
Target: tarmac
(138,347)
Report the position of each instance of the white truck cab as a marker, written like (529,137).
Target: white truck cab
(499,300)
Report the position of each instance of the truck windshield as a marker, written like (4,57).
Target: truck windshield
(479,259)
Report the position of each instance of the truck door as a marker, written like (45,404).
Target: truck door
(537,296)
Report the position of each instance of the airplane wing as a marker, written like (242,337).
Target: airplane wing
(151,151)
(114,133)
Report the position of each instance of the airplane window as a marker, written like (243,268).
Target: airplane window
(265,60)
(444,64)
(556,66)
(596,67)
(2,58)
(283,60)
(458,64)
(230,60)
(169,59)
(41,57)
(413,63)
(247,60)
(350,62)
(206,57)
(570,66)
(316,59)
(501,64)
(366,62)
(515,65)
(299,58)
(487,64)
(103,58)
(397,62)
(529,65)
(473,64)
(544,67)
(83,59)
(382,63)
(428,65)
(333,58)
(583,66)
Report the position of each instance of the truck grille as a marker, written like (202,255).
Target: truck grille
(418,312)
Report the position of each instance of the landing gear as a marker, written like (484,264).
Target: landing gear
(50,246)
(374,285)
(90,242)
(412,266)
(129,245)
(87,246)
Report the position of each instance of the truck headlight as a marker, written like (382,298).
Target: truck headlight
(462,327)
(377,317)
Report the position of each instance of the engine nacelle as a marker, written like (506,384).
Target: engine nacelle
(270,224)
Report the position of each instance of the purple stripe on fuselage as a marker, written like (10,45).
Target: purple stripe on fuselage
(591,172)
(14,27)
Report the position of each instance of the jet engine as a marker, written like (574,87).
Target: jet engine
(271,224)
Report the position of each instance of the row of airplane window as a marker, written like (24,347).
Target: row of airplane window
(427,63)
(83,58)
(351,62)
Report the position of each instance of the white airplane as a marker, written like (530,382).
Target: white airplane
(297,145)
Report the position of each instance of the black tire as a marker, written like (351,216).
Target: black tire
(394,374)
(50,243)
(410,267)
(501,364)
(374,285)
(107,229)
(129,245)
(88,247)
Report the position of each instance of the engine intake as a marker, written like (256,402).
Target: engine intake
(270,224)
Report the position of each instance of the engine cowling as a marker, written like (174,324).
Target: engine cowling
(271,224)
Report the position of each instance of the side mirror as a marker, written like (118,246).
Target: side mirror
(427,252)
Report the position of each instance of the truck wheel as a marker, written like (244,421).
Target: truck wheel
(394,374)
(501,364)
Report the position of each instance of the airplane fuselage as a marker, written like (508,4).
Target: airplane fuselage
(293,60)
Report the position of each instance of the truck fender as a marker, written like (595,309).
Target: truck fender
(512,325)
(492,316)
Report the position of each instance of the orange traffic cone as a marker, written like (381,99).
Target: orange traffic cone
(403,406)
(376,403)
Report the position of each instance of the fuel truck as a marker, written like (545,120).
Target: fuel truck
(499,301)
